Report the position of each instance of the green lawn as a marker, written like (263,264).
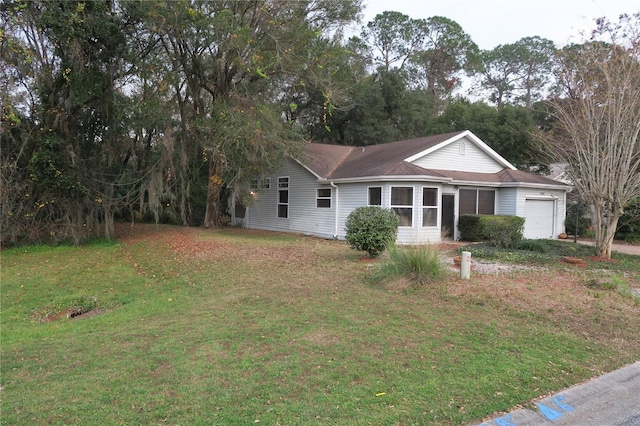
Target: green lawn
(193,326)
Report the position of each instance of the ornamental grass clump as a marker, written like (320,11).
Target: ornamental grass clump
(371,229)
(420,264)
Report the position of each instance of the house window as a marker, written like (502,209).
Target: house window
(429,206)
(283,197)
(256,184)
(486,202)
(323,198)
(477,201)
(375,196)
(462,148)
(468,200)
(402,203)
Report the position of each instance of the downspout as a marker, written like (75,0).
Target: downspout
(335,229)
(554,228)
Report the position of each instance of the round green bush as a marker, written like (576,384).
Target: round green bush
(371,229)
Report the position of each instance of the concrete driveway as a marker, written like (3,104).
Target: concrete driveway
(617,246)
(609,400)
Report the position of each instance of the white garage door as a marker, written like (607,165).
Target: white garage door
(538,219)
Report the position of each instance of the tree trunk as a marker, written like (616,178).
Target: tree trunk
(214,188)
(606,222)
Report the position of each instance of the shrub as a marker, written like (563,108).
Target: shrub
(470,228)
(502,231)
(420,264)
(538,246)
(371,229)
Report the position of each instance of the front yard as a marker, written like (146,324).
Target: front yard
(190,326)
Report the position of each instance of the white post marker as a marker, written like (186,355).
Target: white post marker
(465,265)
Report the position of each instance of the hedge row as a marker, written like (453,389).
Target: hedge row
(501,231)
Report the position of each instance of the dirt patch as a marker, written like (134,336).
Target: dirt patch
(72,313)
(559,297)
(602,259)
(575,261)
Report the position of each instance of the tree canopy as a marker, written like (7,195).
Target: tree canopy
(598,112)
(163,111)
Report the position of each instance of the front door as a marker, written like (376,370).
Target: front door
(447,220)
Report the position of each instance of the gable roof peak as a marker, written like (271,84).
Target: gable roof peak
(342,162)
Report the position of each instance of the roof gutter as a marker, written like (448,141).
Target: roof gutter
(451,181)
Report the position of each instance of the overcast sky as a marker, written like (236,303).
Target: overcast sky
(494,22)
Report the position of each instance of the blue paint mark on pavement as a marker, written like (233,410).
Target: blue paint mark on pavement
(504,421)
(549,413)
(559,400)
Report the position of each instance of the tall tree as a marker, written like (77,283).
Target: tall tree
(499,75)
(133,103)
(444,53)
(537,60)
(384,110)
(599,112)
(518,73)
(70,71)
(394,37)
(236,53)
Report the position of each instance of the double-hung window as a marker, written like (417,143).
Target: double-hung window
(260,184)
(283,197)
(402,203)
(323,198)
(429,207)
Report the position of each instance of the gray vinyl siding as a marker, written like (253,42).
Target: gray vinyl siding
(353,196)
(304,216)
(506,201)
(449,157)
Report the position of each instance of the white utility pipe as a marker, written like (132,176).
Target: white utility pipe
(465,265)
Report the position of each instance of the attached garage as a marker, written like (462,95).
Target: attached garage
(539,218)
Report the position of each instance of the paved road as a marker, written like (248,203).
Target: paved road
(609,400)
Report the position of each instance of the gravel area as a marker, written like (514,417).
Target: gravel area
(486,267)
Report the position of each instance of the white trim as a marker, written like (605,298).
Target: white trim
(540,197)
(337,207)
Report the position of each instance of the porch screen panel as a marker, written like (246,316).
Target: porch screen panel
(429,207)
(402,203)
(467,201)
(486,202)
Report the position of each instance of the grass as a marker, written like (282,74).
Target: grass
(420,265)
(233,327)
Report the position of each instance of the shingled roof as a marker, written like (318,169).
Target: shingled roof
(337,162)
